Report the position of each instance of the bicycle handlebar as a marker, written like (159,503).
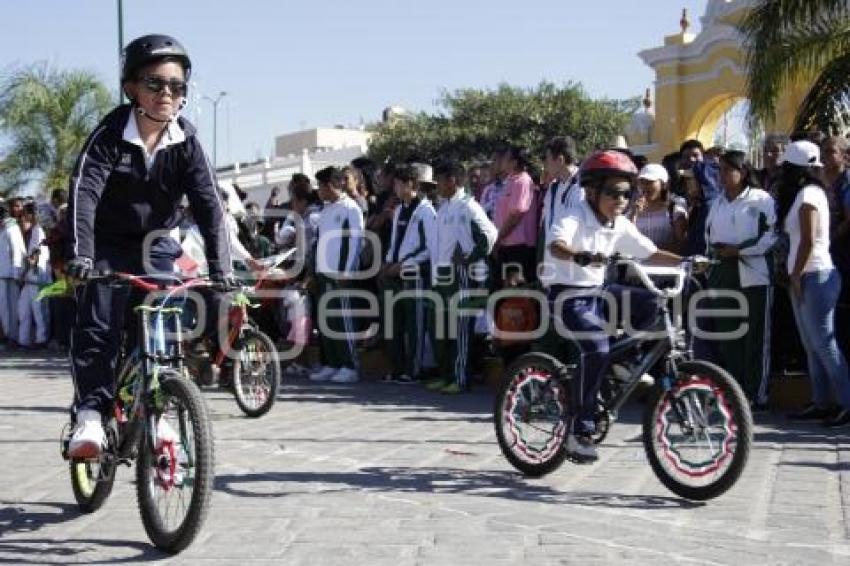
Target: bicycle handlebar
(144,283)
(644,273)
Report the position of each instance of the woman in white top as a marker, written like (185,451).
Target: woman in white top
(815,283)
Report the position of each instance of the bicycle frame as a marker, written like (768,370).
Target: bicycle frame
(664,347)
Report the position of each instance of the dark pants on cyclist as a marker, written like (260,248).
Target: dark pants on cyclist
(585,315)
(102,311)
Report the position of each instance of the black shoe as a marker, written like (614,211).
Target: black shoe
(841,419)
(757,408)
(811,413)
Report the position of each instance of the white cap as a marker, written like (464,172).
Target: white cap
(802,153)
(426,173)
(654,172)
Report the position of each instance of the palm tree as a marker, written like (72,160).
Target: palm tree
(46,115)
(795,40)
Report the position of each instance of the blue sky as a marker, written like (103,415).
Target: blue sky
(291,65)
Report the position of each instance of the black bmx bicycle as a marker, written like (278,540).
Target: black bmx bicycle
(159,421)
(697,425)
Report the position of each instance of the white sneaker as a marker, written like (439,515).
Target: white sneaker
(88,438)
(582,448)
(323,374)
(647,380)
(345,375)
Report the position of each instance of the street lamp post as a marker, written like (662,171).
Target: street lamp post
(215,102)
(120,48)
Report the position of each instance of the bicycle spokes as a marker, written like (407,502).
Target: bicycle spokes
(696,430)
(535,408)
(172,469)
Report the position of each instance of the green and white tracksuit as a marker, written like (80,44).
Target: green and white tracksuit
(462,228)
(412,226)
(338,245)
(747,223)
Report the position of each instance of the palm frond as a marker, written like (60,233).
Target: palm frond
(788,41)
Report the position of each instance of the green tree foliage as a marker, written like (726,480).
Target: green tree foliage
(470,123)
(45,117)
(800,40)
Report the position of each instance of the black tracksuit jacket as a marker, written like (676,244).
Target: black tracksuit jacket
(115,201)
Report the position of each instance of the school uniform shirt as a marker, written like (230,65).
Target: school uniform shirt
(40,273)
(581,231)
(413,225)
(340,234)
(747,223)
(462,225)
(120,193)
(820,258)
(562,195)
(12,249)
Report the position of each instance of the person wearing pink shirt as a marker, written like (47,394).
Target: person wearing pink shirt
(516,217)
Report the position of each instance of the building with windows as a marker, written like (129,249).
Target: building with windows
(305,152)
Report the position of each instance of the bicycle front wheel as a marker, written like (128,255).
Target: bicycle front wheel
(174,471)
(256,373)
(531,414)
(698,434)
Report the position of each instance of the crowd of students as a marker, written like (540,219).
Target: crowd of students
(444,237)
(426,241)
(29,260)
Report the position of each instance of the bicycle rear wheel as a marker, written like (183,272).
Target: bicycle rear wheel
(256,373)
(698,434)
(92,483)
(174,478)
(92,480)
(531,414)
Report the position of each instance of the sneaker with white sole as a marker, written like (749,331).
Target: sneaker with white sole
(582,448)
(647,380)
(89,438)
(345,375)
(323,374)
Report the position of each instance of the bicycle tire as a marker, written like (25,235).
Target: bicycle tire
(731,403)
(89,491)
(252,337)
(531,461)
(173,540)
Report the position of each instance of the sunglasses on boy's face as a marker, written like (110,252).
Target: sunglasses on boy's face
(158,84)
(616,193)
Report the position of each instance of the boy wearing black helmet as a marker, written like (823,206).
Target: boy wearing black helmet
(126,188)
(579,243)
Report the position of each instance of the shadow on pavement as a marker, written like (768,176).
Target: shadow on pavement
(495,484)
(24,518)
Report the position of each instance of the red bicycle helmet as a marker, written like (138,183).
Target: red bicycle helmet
(607,163)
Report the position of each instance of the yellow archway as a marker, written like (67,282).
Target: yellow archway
(698,78)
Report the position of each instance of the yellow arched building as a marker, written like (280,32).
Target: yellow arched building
(698,78)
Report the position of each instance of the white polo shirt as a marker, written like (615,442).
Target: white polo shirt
(582,232)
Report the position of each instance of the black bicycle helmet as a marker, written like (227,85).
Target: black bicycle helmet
(150,48)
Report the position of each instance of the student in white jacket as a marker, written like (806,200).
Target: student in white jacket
(739,231)
(460,245)
(32,314)
(408,268)
(12,251)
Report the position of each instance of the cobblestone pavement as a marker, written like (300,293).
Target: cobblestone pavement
(390,474)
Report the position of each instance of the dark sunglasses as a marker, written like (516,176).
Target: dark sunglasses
(617,193)
(158,84)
